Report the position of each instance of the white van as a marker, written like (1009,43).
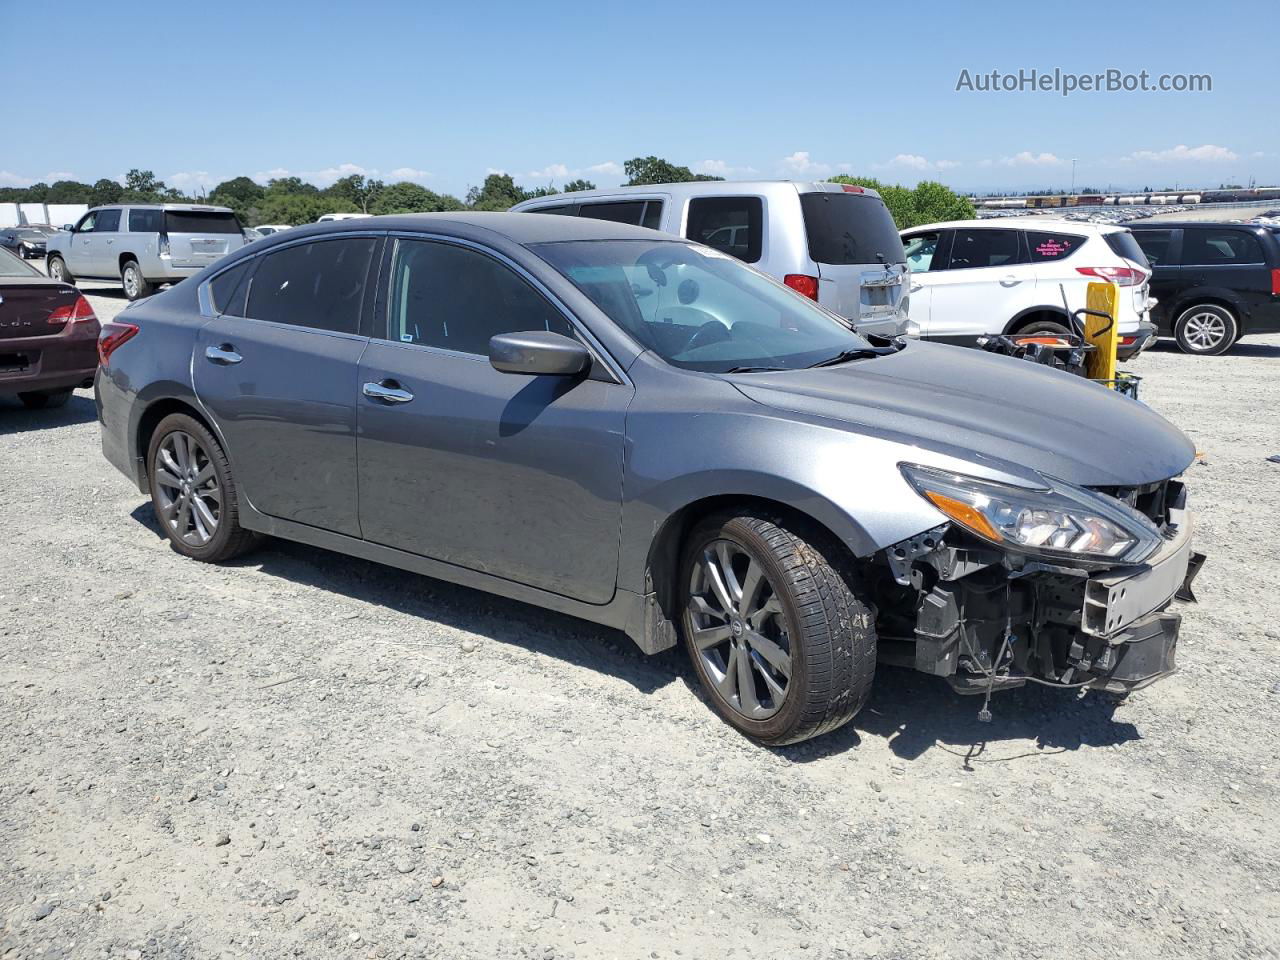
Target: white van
(833,242)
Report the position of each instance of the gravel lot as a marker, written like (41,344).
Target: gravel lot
(308,755)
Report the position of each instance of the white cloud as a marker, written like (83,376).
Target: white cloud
(719,168)
(800,164)
(1028,159)
(491,171)
(607,169)
(1205,153)
(58,175)
(275,173)
(328,175)
(947,164)
(8,179)
(912,161)
(188,180)
(552,171)
(409,173)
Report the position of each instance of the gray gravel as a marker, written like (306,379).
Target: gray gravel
(308,755)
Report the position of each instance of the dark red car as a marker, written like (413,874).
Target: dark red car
(48,336)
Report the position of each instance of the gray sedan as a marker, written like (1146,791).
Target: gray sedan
(646,433)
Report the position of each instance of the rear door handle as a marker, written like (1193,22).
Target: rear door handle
(224,355)
(1010,281)
(387,391)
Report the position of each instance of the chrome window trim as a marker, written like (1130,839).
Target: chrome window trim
(596,348)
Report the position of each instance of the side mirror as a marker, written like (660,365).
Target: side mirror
(538,353)
(67,227)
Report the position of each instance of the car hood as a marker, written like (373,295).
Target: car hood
(984,407)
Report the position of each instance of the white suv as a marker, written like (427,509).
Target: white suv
(832,242)
(1023,275)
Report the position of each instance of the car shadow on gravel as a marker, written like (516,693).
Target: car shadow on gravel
(15,418)
(1242,349)
(916,713)
(495,618)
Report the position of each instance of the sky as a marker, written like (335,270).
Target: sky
(444,93)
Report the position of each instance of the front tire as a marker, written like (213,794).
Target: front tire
(193,491)
(1206,330)
(783,646)
(135,285)
(1044,328)
(45,399)
(56,267)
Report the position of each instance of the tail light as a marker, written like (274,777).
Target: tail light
(77,312)
(1121,276)
(114,335)
(162,245)
(802,284)
(1128,341)
(1275,283)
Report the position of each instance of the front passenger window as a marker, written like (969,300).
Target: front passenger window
(920,251)
(456,298)
(86,223)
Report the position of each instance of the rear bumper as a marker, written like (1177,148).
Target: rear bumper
(894,326)
(1145,336)
(48,363)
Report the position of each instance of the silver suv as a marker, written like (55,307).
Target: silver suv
(143,245)
(833,242)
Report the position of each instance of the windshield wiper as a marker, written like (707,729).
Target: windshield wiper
(754,369)
(859,353)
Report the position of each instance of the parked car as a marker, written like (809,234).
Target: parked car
(835,243)
(143,245)
(48,336)
(25,242)
(521,413)
(267,229)
(251,234)
(331,217)
(971,278)
(1217,282)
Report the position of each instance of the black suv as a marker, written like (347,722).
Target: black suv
(1215,282)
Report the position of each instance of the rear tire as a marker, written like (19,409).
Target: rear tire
(136,286)
(56,267)
(45,399)
(1206,330)
(1047,327)
(193,491)
(789,653)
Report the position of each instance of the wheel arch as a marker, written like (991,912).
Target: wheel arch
(1207,298)
(151,417)
(124,258)
(1036,314)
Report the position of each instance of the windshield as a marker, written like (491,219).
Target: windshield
(700,309)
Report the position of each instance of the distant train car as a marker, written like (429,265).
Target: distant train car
(1089,200)
(1191,198)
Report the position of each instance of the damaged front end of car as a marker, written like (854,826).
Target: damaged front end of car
(1061,585)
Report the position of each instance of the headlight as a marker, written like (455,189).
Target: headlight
(1061,520)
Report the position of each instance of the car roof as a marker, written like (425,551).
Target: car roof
(1183,224)
(521,228)
(1024,223)
(182,207)
(695,188)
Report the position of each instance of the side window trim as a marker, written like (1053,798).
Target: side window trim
(605,366)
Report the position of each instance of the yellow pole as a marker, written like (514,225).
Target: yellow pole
(1101,332)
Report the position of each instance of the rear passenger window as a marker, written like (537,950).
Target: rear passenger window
(144,221)
(632,211)
(108,221)
(228,289)
(1045,247)
(318,284)
(734,225)
(652,215)
(1205,248)
(456,298)
(984,248)
(1155,244)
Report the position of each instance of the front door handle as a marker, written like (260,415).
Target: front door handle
(1010,281)
(224,355)
(387,391)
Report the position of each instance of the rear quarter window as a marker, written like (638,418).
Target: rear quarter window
(229,289)
(1046,247)
(1154,245)
(845,228)
(733,225)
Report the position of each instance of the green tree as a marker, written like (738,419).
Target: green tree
(104,191)
(927,202)
(499,192)
(356,192)
(404,197)
(68,191)
(574,185)
(36,193)
(645,170)
(291,185)
(241,194)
